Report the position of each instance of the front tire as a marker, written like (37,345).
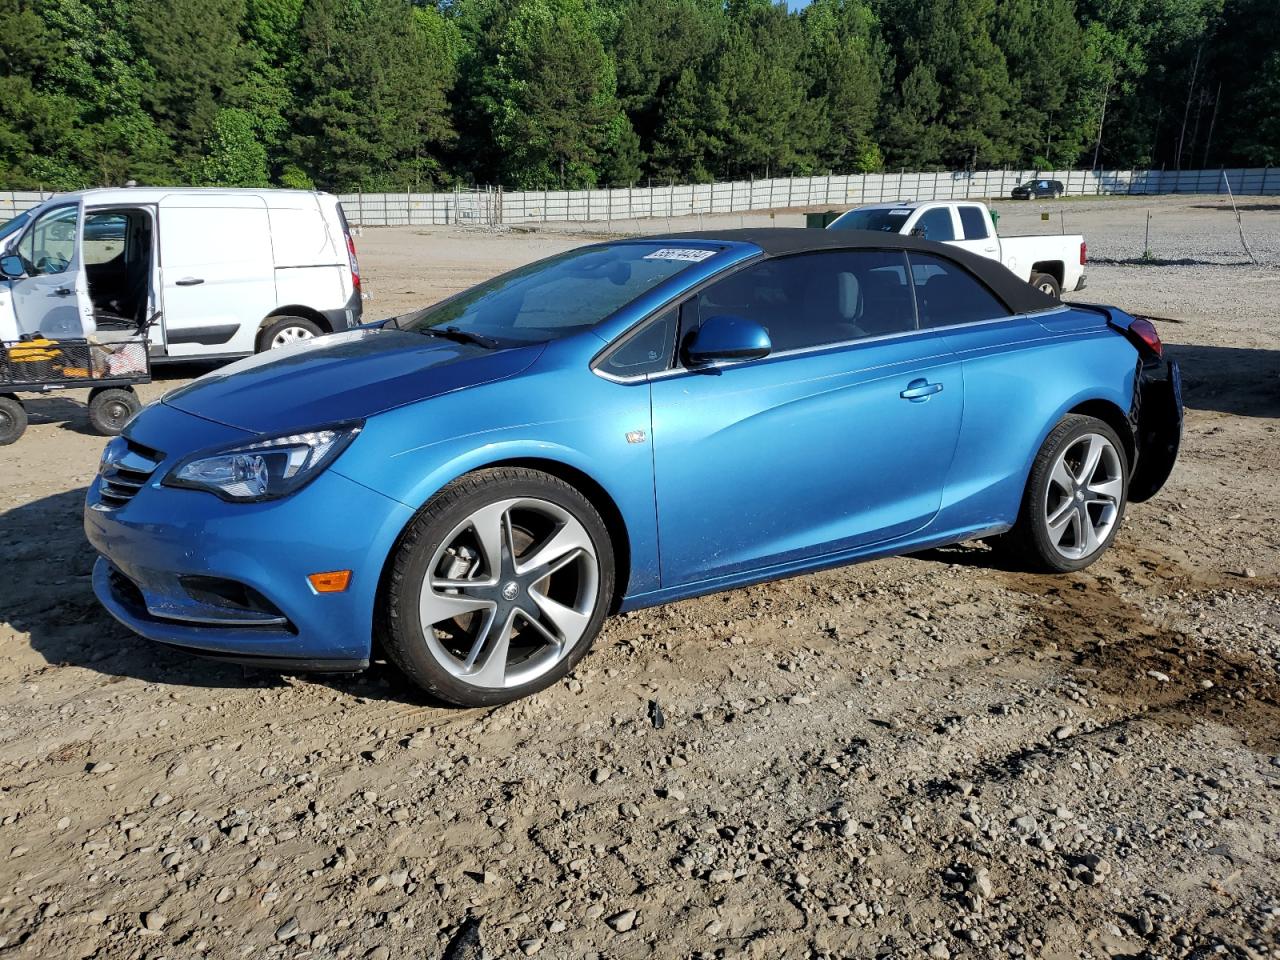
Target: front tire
(1075,497)
(498,587)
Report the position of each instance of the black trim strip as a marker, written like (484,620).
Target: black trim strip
(212,335)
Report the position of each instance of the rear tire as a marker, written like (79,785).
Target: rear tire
(13,420)
(285,331)
(1074,500)
(111,409)
(1047,284)
(498,587)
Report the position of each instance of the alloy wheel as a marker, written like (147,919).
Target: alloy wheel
(1083,497)
(509,592)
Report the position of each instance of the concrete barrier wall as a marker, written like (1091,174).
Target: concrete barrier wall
(491,206)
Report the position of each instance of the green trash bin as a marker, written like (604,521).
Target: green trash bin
(821,220)
(995,219)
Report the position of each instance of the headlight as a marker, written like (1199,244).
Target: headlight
(264,469)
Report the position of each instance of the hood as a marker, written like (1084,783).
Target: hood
(346,376)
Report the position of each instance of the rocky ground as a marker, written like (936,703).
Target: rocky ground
(921,757)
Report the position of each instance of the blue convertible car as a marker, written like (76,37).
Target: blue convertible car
(477,485)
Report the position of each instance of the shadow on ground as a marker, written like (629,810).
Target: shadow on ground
(1238,380)
(46,593)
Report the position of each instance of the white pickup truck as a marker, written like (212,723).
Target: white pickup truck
(1052,262)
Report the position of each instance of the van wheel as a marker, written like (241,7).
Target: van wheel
(110,409)
(283,331)
(1047,284)
(13,420)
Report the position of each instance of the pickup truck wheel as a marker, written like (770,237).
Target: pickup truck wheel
(13,420)
(1048,284)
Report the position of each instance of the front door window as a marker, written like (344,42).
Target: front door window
(50,245)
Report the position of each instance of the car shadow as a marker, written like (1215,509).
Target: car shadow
(47,594)
(1244,381)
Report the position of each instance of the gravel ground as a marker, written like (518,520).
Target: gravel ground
(919,757)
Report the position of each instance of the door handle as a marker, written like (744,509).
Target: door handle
(190,281)
(918,391)
(64,291)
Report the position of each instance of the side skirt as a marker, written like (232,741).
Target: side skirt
(895,548)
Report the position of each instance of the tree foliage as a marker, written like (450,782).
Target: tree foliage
(396,94)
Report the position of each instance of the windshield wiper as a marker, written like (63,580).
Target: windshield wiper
(458,335)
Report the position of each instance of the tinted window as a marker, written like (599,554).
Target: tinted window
(883,219)
(974,221)
(814,299)
(559,296)
(935,225)
(647,351)
(50,245)
(948,294)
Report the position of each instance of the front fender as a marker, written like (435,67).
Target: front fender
(581,422)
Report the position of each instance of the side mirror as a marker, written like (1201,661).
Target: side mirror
(12,268)
(726,339)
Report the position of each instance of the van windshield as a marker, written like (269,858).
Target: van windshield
(10,227)
(882,219)
(556,297)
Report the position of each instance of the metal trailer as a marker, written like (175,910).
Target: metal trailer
(109,368)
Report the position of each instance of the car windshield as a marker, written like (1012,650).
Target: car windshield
(10,227)
(556,297)
(882,219)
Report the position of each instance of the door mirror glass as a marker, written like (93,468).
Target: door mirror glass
(11,267)
(727,339)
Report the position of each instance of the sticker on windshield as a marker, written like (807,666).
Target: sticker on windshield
(899,213)
(689,254)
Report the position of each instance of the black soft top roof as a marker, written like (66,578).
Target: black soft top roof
(1018,296)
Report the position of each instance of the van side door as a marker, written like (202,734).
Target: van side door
(217,273)
(53,298)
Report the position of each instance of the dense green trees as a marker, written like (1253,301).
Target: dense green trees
(396,94)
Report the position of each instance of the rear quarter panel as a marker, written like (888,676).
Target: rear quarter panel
(1020,378)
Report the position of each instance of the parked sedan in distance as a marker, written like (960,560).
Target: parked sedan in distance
(1039,190)
(478,484)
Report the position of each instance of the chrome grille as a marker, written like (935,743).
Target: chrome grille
(126,467)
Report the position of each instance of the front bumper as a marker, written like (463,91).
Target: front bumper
(154,547)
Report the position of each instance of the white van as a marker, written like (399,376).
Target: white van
(221,272)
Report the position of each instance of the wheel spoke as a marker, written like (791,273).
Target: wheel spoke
(1091,457)
(568,622)
(487,658)
(1061,511)
(570,539)
(492,526)
(1107,491)
(435,606)
(1089,541)
(1061,476)
(1063,519)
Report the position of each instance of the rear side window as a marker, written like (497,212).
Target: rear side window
(947,294)
(814,299)
(974,220)
(935,224)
